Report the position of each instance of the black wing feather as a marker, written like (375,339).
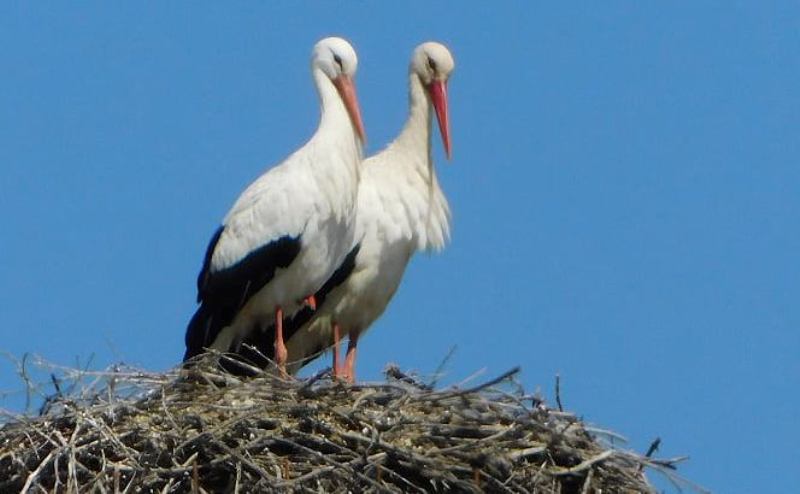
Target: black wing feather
(224,292)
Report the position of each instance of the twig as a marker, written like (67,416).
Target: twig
(558,393)
(394,372)
(29,481)
(241,459)
(440,368)
(652,449)
(518,455)
(587,463)
(587,483)
(605,432)
(475,389)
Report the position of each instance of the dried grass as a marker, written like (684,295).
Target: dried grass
(202,430)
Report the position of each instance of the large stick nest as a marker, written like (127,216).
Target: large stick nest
(202,430)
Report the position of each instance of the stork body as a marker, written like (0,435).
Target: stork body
(401,209)
(290,229)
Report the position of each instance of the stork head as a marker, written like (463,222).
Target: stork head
(337,59)
(433,64)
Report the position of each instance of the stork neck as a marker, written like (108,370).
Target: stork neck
(334,152)
(427,218)
(415,136)
(334,123)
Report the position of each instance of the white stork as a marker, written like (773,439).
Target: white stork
(401,209)
(290,229)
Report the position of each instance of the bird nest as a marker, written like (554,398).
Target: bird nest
(203,430)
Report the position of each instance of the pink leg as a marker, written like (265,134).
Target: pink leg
(311,301)
(337,369)
(281,354)
(350,360)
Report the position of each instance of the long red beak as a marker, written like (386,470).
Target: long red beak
(347,90)
(438,91)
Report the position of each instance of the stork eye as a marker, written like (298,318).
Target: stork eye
(338,60)
(431,64)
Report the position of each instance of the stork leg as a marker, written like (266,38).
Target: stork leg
(311,302)
(281,353)
(349,372)
(337,368)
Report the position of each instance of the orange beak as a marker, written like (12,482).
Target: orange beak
(438,92)
(347,90)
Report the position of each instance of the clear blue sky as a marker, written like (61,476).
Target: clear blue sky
(624,187)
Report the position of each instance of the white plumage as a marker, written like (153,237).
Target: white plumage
(400,209)
(291,228)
